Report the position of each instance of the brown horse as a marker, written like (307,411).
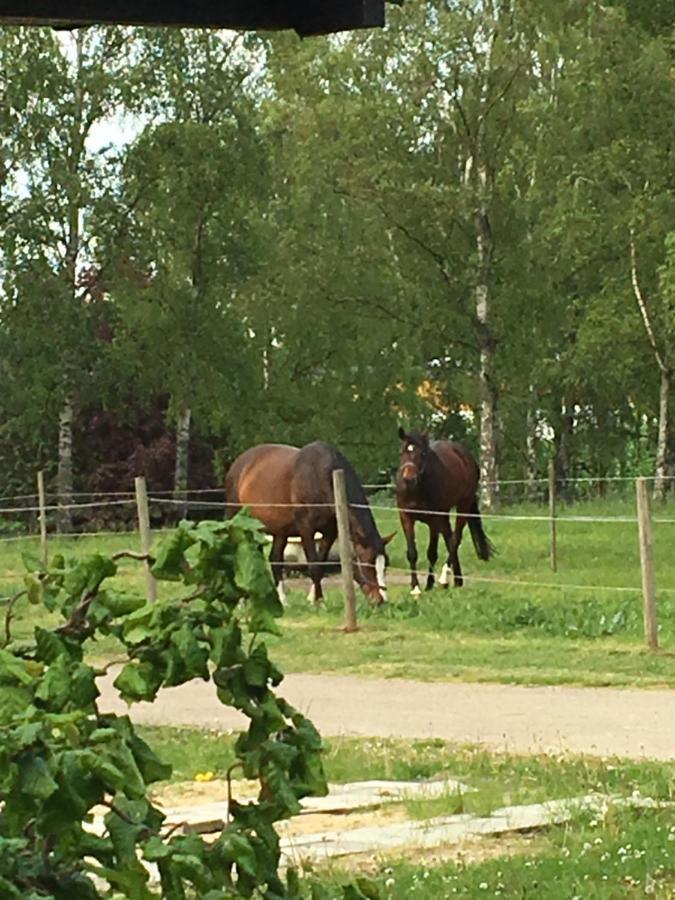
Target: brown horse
(291,491)
(433,477)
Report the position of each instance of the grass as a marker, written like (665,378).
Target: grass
(527,632)
(629,854)
(499,779)
(621,854)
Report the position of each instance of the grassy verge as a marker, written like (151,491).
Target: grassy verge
(498,778)
(622,854)
(630,854)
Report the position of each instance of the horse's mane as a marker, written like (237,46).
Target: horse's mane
(359,509)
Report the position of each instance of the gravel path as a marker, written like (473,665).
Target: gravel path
(594,721)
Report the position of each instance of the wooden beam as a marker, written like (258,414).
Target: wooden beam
(307,17)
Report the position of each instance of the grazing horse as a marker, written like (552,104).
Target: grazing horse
(433,477)
(291,491)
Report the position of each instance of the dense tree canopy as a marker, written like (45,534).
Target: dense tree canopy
(463,221)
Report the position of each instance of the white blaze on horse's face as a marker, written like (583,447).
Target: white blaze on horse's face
(379,571)
(410,448)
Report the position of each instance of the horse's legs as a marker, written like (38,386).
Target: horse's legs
(432,552)
(328,536)
(308,545)
(460,522)
(446,531)
(408,525)
(277,562)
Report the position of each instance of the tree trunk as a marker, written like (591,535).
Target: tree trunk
(531,491)
(563,455)
(182,456)
(488,388)
(662,442)
(64,478)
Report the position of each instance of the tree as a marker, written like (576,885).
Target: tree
(58,177)
(196,183)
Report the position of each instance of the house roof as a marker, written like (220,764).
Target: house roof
(307,17)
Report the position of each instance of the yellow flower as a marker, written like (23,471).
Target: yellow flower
(204,776)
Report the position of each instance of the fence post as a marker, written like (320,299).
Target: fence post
(43,516)
(344,541)
(145,533)
(552,514)
(647,563)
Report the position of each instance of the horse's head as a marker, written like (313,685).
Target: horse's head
(413,456)
(371,561)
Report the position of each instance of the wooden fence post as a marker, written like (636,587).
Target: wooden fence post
(43,516)
(552,514)
(647,563)
(345,545)
(145,533)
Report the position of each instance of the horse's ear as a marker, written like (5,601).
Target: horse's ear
(390,537)
(401,432)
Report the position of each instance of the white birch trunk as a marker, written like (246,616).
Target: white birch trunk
(488,391)
(664,364)
(182,459)
(64,477)
(662,441)
(531,450)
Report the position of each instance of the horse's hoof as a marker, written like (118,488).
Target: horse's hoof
(415,592)
(430,584)
(459,582)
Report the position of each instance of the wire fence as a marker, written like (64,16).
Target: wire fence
(166,506)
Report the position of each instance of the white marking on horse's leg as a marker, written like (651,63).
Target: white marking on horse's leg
(281,592)
(444,577)
(416,591)
(311,597)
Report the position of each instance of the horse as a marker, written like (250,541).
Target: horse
(433,477)
(290,490)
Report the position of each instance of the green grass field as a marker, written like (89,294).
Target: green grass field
(525,624)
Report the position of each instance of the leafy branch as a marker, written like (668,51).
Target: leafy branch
(61,755)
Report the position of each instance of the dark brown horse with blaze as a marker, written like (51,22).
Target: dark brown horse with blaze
(433,478)
(291,491)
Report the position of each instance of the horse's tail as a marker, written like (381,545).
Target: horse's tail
(485,549)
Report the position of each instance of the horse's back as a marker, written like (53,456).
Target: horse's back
(261,474)
(313,472)
(460,465)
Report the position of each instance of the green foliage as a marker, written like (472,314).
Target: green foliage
(61,756)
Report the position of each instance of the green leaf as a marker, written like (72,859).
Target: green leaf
(121,604)
(257,668)
(13,702)
(193,656)
(137,625)
(138,681)
(237,848)
(13,669)
(34,589)
(169,562)
(88,575)
(35,778)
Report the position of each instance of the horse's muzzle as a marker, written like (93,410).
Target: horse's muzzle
(410,474)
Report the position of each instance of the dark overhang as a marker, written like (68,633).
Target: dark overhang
(307,17)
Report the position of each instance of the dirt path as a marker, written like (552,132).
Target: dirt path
(595,721)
